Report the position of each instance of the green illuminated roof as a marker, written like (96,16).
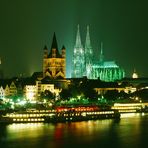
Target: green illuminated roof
(107,64)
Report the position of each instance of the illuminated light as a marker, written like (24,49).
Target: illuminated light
(81,50)
(33,102)
(23,102)
(127,104)
(135,75)
(31,91)
(128,115)
(83,114)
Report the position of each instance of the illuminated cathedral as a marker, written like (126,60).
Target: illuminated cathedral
(83,63)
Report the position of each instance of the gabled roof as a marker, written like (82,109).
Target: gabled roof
(28,81)
(5,82)
(37,75)
(59,73)
(46,80)
(59,77)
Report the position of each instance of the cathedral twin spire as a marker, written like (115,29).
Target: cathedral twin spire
(101,54)
(88,55)
(82,57)
(84,64)
(78,58)
(87,41)
(78,39)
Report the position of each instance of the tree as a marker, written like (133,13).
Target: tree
(123,95)
(90,93)
(65,94)
(47,95)
(111,95)
(75,90)
(143,94)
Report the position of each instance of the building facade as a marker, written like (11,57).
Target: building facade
(78,61)
(54,62)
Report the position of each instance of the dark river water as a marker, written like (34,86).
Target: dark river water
(131,131)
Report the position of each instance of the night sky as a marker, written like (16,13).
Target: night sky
(27,25)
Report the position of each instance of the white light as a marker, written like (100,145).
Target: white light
(23,102)
(33,102)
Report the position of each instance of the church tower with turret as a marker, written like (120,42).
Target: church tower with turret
(78,61)
(54,62)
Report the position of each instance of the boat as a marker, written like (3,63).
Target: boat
(72,116)
(60,114)
(28,116)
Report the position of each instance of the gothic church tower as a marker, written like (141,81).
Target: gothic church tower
(88,56)
(78,62)
(54,63)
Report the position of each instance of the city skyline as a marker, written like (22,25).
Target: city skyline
(28,26)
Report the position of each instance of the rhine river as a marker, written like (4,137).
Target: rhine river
(131,131)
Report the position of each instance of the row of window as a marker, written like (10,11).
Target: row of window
(28,120)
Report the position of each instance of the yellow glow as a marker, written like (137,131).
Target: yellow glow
(127,115)
(127,104)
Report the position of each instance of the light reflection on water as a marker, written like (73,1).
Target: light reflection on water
(130,131)
(127,115)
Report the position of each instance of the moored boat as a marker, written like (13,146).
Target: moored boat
(62,114)
(28,116)
(82,116)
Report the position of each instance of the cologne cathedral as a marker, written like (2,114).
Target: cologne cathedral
(83,63)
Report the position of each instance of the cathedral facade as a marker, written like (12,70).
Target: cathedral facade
(83,63)
(54,62)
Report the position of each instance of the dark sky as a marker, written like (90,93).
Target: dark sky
(27,25)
